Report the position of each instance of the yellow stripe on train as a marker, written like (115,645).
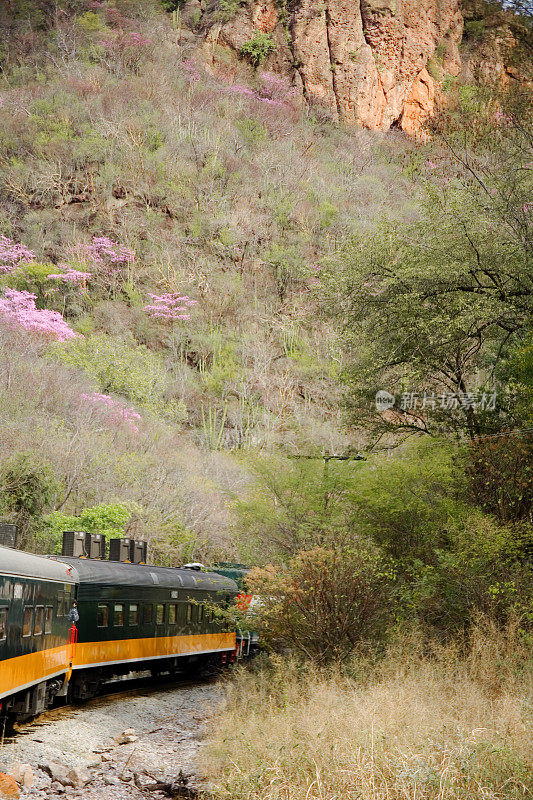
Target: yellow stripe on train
(91,654)
(23,671)
(27,670)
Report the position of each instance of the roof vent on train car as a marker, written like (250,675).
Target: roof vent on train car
(74,544)
(95,545)
(8,534)
(119,549)
(128,550)
(138,552)
(79,544)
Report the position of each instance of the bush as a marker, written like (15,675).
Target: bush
(258,48)
(121,366)
(324,603)
(109,519)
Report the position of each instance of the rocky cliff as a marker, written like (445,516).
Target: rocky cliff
(363,62)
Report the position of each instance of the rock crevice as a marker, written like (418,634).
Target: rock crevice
(363,62)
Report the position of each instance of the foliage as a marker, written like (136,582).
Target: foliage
(446,559)
(121,366)
(227,9)
(463,291)
(501,472)
(18,310)
(27,487)
(324,603)
(451,723)
(258,48)
(109,519)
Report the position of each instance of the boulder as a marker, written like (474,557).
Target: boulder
(23,774)
(78,777)
(8,787)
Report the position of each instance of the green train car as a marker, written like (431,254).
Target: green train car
(131,618)
(134,617)
(35,652)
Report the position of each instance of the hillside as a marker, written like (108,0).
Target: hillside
(185,219)
(266,293)
(220,195)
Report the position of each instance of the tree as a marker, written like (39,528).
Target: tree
(109,519)
(324,603)
(429,310)
(27,487)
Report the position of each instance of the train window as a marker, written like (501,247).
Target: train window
(60,605)
(172,616)
(49,614)
(148,614)
(39,621)
(189,612)
(3,623)
(134,614)
(160,613)
(200,613)
(26,624)
(102,617)
(118,616)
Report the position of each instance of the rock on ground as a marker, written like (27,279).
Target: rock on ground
(109,748)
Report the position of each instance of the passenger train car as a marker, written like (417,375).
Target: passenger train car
(131,617)
(35,653)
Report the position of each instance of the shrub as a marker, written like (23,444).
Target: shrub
(109,519)
(227,9)
(324,603)
(258,48)
(121,366)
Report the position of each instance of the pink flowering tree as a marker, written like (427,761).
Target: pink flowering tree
(169,305)
(108,263)
(70,276)
(19,312)
(13,255)
(114,412)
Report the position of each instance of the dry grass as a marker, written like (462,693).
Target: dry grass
(414,727)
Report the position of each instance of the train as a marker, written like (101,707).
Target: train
(68,625)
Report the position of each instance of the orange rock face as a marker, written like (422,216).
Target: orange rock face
(361,62)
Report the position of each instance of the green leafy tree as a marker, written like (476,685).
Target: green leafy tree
(27,487)
(437,305)
(109,519)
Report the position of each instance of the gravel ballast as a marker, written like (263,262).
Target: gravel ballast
(121,742)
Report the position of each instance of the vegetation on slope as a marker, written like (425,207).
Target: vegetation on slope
(194,269)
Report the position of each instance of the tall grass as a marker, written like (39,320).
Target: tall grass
(444,724)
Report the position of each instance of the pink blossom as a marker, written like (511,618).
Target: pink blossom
(13,255)
(190,67)
(431,164)
(18,310)
(113,410)
(70,275)
(169,305)
(107,259)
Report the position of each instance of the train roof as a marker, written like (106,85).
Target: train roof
(121,574)
(27,565)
